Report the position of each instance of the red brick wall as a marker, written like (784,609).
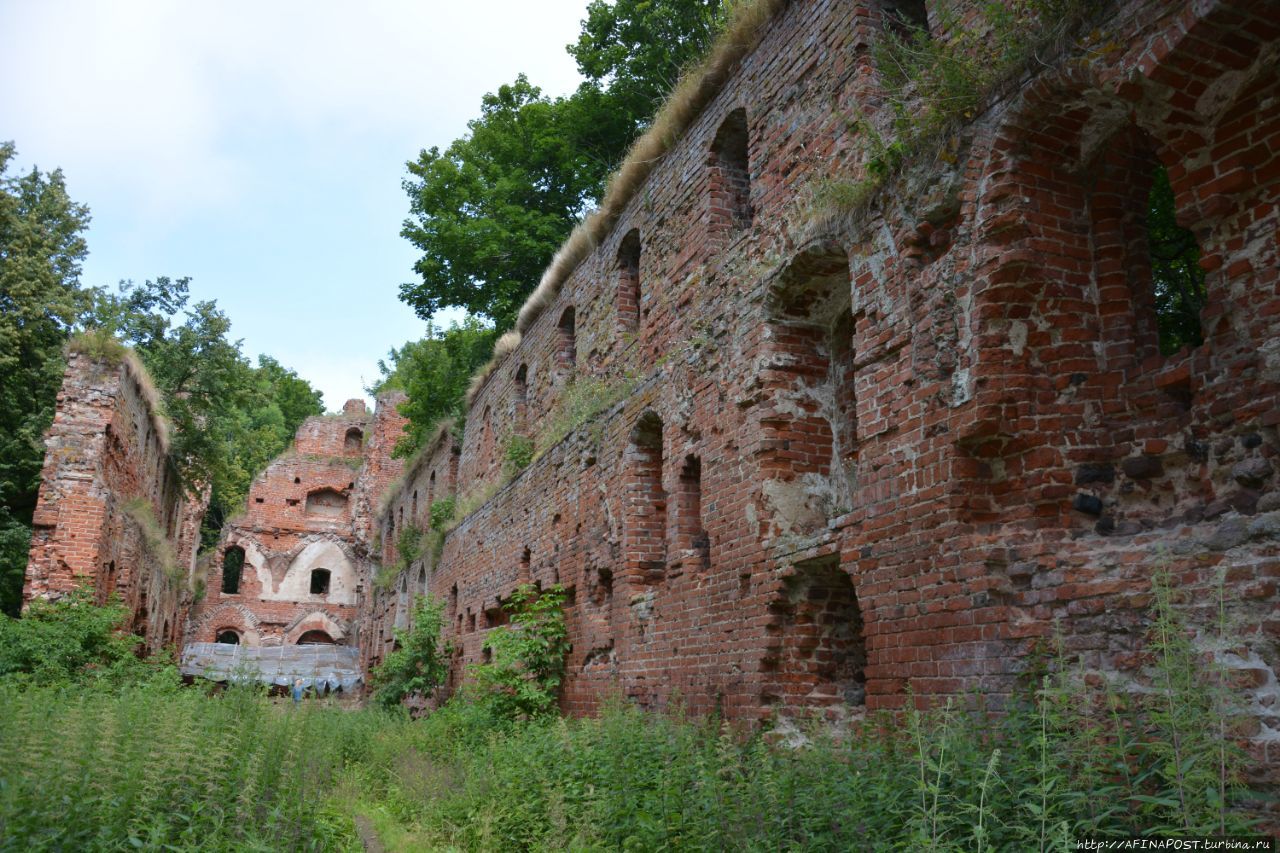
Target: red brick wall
(306,511)
(105,452)
(952,398)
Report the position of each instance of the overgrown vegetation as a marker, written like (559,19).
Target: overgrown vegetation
(494,769)
(421,662)
(73,641)
(933,84)
(161,769)
(143,515)
(409,549)
(517,453)
(522,680)
(579,404)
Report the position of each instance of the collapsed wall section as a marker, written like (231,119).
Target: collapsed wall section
(111,511)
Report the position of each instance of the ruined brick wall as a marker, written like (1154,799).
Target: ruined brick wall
(429,477)
(303,515)
(844,455)
(107,489)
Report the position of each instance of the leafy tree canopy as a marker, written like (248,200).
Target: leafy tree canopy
(434,372)
(229,418)
(41,301)
(490,210)
(637,49)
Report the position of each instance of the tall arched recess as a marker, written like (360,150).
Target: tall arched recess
(646,504)
(1068,322)
(809,450)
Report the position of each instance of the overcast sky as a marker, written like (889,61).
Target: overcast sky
(258,147)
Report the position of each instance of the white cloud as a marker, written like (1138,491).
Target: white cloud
(157,100)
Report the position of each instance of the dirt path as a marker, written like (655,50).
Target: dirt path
(368,837)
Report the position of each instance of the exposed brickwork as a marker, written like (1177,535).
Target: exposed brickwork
(106,468)
(953,400)
(305,513)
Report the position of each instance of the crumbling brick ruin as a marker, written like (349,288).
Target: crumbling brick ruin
(291,570)
(841,456)
(111,512)
(788,458)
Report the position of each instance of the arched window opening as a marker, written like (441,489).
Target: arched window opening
(232,569)
(320,581)
(522,385)
(413,510)
(567,351)
(629,294)
(1177,281)
(646,541)
(693,536)
(811,367)
(521,396)
(731,174)
(353,441)
(431,493)
(905,18)
(1150,287)
(525,574)
(316,638)
(228,636)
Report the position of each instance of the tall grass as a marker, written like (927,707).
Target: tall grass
(88,769)
(159,767)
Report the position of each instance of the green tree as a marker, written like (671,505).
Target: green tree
(41,249)
(434,372)
(635,50)
(229,418)
(490,210)
(1176,275)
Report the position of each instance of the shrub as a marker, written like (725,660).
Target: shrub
(74,640)
(523,679)
(517,455)
(420,665)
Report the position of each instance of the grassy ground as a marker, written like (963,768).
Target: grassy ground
(163,768)
(103,752)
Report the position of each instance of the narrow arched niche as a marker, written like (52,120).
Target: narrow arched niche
(646,519)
